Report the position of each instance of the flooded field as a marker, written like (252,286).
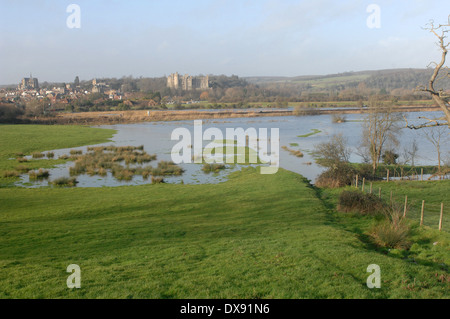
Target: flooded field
(296,134)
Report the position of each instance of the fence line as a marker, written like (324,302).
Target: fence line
(428,214)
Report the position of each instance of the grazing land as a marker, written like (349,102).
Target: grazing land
(253,236)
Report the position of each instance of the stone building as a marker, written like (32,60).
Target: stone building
(98,87)
(29,83)
(187,82)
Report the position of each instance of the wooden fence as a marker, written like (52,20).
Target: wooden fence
(429,214)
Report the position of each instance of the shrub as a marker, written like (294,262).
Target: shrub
(390,157)
(65,181)
(338,175)
(338,118)
(393,231)
(363,203)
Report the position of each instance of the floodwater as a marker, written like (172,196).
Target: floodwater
(156,139)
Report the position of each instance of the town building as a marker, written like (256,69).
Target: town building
(187,82)
(29,83)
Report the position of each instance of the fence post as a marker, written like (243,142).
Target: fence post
(421,174)
(440,219)
(371,187)
(387,176)
(391,197)
(406,203)
(364,182)
(356,180)
(421,213)
(379,192)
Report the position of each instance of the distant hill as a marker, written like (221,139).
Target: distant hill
(388,80)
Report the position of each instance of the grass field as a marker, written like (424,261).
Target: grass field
(27,139)
(254,236)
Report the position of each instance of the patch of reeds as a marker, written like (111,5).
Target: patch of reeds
(7,174)
(22,168)
(157,180)
(50,154)
(99,159)
(214,167)
(37,175)
(297,153)
(65,182)
(37,155)
(76,152)
(22,159)
(393,232)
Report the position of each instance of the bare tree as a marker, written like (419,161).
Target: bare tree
(409,153)
(438,136)
(440,71)
(379,128)
(333,152)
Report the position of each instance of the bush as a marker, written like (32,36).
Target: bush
(363,203)
(392,232)
(338,118)
(338,175)
(390,157)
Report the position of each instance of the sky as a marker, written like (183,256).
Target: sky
(155,38)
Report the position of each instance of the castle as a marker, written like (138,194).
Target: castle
(29,83)
(187,82)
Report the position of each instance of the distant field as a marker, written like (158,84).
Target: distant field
(333,80)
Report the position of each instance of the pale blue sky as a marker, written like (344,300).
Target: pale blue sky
(243,37)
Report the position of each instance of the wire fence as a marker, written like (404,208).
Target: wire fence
(426,212)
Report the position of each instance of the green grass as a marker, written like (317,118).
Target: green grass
(433,192)
(28,139)
(313,132)
(254,236)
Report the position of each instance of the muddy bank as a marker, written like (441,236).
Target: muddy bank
(125,117)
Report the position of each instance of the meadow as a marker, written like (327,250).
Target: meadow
(253,236)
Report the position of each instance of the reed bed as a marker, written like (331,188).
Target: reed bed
(38,175)
(124,162)
(293,152)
